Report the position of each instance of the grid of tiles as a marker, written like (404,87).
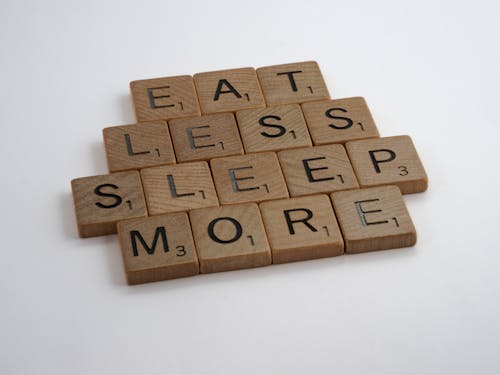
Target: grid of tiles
(247,167)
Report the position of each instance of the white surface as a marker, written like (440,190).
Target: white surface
(430,70)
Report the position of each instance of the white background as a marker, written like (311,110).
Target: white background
(429,69)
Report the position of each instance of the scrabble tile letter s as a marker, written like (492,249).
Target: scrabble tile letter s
(102,201)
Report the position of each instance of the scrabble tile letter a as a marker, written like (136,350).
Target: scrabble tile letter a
(228,90)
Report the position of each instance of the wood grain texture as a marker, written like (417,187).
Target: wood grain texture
(181,187)
(164,98)
(157,248)
(388,161)
(373,219)
(101,201)
(230,238)
(339,120)
(228,90)
(302,228)
(248,178)
(205,137)
(319,169)
(292,83)
(273,128)
(138,146)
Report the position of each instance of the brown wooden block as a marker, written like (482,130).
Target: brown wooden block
(273,128)
(339,120)
(230,238)
(292,83)
(228,90)
(373,219)
(319,169)
(101,201)
(388,161)
(248,178)
(157,248)
(164,98)
(180,187)
(205,137)
(138,146)
(302,228)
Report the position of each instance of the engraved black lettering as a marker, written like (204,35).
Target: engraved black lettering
(159,233)
(391,155)
(304,220)
(281,129)
(230,89)
(117,199)
(173,188)
(237,226)
(309,170)
(152,97)
(291,78)
(362,213)
(130,149)
(234,179)
(192,137)
(348,121)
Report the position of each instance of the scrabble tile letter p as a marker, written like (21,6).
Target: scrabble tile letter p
(164,98)
(388,161)
(228,90)
(102,201)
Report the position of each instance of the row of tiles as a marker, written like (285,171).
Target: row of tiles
(249,235)
(227,91)
(100,201)
(247,131)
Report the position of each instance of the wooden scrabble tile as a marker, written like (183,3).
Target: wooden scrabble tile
(164,98)
(205,137)
(101,201)
(373,219)
(180,187)
(339,120)
(302,228)
(273,128)
(230,238)
(319,169)
(292,83)
(228,90)
(157,248)
(388,161)
(248,178)
(138,146)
